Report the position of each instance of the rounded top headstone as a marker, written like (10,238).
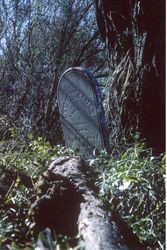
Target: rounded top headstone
(81,111)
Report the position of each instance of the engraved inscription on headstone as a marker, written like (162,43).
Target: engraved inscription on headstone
(80,110)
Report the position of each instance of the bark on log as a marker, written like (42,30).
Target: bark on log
(68,203)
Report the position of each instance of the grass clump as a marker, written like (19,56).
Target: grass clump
(22,159)
(134,185)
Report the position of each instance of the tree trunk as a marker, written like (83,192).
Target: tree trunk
(134,32)
(67,203)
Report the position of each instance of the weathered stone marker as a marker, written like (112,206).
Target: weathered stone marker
(81,111)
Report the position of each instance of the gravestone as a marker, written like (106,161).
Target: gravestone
(81,111)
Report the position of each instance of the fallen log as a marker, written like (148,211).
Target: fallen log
(67,202)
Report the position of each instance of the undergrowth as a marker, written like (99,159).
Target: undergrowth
(23,159)
(133,185)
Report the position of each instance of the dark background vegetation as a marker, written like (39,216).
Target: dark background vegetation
(123,44)
(134,32)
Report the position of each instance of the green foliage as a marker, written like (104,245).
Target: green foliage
(22,159)
(13,218)
(29,155)
(134,185)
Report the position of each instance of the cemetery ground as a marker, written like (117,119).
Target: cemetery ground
(123,41)
(131,187)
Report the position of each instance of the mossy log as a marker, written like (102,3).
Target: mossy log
(67,202)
